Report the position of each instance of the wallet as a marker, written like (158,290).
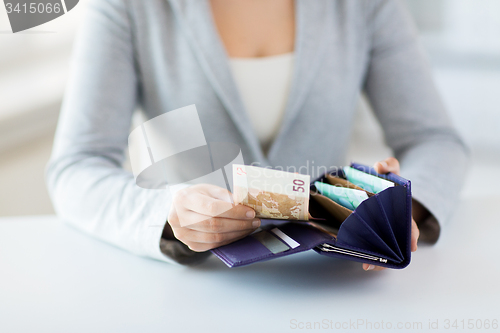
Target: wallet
(377,232)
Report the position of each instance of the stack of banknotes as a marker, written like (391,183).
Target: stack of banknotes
(352,198)
(284,195)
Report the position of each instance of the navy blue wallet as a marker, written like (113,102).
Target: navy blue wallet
(377,232)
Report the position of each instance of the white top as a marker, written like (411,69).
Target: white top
(264,84)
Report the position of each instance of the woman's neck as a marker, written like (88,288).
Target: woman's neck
(255,28)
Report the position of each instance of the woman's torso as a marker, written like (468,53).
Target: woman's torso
(181,60)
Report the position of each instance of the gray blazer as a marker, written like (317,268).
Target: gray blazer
(166,54)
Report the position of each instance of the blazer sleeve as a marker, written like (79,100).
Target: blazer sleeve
(87,183)
(400,88)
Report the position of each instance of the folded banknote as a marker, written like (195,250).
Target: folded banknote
(366,181)
(347,197)
(272,193)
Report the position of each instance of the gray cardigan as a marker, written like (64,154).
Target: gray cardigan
(165,54)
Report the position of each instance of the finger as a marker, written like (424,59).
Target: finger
(173,218)
(390,164)
(211,207)
(222,225)
(194,236)
(415,234)
(218,193)
(369,267)
(224,195)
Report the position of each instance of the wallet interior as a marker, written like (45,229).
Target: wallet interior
(326,212)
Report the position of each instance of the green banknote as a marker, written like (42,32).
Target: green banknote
(347,197)
(366,181)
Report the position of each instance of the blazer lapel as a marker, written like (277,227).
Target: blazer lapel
(311,19)
(311,25)
(197,22)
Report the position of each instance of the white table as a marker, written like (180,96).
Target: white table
(56,279)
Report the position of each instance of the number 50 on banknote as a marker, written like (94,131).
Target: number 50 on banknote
(273,194)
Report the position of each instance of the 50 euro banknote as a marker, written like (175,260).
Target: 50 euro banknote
(272,193)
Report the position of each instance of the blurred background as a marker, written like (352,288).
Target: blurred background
(461,38)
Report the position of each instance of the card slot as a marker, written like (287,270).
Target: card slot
(292,243)
(305,234)
(251,249)
(271,242)
(320,216)
(243,251)
(338,212)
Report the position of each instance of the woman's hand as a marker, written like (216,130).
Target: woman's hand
(203,219)
(392,165)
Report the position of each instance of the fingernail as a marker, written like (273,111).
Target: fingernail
(384,164)
(370,267)
(251,214)
(256,223)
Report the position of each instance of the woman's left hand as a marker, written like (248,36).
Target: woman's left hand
(392,165)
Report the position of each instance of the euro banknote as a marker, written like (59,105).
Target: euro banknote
(273,194)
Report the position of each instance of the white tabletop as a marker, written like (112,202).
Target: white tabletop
(56,279)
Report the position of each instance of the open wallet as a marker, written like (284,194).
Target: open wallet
(377,232)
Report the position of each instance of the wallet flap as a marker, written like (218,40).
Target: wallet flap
(252,249)
(374,215)
(356,232)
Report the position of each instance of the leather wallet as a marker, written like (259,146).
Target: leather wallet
(377,232)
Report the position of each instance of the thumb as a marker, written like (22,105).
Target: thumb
(390,164)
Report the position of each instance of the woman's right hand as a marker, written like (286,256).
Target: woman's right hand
(203,219)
